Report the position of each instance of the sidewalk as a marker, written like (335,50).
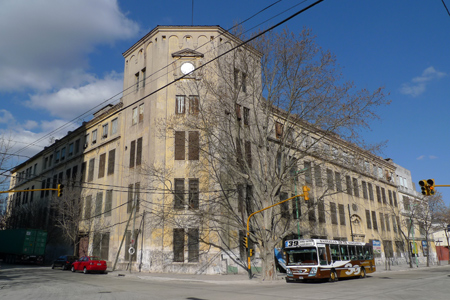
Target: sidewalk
(243,278)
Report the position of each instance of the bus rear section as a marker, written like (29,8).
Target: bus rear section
(327,259)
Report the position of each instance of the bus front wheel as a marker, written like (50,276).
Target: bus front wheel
(333,276)
(363,273)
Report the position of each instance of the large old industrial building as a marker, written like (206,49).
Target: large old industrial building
(143,182)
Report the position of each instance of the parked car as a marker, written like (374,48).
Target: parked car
(64,261)
(89,264)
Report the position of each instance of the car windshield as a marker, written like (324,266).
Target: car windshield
(302,256)
(94,258)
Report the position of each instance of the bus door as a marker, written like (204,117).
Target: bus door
(328,250)
(323,258)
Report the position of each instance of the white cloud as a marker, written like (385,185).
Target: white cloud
(418,84)
(69,103)
(432,157)
(5,116)
(48,40)
(421,157)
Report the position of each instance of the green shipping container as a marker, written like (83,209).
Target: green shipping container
(23,241)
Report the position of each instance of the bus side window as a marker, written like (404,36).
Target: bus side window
(368,252)
(360,251)
(335,255)
(352,252)
(344,252)
(323,256)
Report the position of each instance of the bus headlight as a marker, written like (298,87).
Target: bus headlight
(313,271)
(289,271)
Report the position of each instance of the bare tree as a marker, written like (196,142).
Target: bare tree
(264,110)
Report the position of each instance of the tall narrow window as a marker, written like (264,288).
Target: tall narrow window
(141,113)
(330,180)
(318,175)
(193,193)
(114,126)
(394,195)
(134,117)
(342,214)
(137,81)
(91,169)
(378,193)
(338,181)
(193,245)
(244,82)
(349,185)
(179,193)
(94,136)
(383,195)
(180,105)
(284,207)
(178,245)
(355,187)
(194,105)
(321,209)
(143,77)
(333,211)
(388,227)
(374,220)
(111,161)
(98,204)
(108,203)
(194,144)
(70,149)
(132,153)
(364,188)
(311,211)
(382,221)
(246,115)
(77,146)
(180,145)
(87,207)
(139,152)
(370,192)
(236,78)
(308,172)
(102,164)
(130,199)
(369,222)
(105,130)
(390,198)
(238,112)
(278,130)
(248,153)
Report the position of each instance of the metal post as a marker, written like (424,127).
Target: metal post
(133,236)
(350,220)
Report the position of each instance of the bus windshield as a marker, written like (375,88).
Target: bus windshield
(302,256)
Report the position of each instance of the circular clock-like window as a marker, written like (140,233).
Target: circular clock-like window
(187,68)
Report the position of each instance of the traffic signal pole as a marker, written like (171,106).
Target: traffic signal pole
(249,266)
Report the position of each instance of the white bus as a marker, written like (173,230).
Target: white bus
(327,259)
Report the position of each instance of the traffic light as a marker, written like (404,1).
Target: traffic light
(251,252)
(430,183)
(246,242)
(306,192)
(60,190)
(424,187)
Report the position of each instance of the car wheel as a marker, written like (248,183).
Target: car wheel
(85,271)
(73,269)
(53,266)
(362,275)
(333,276)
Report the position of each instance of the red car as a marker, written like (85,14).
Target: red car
(89,264)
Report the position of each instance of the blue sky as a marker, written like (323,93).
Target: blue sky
(59,59)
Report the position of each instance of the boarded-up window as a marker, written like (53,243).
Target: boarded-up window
(378,193)
(349,185)
(91,169)
(395,199)
(342,214)
(278,130)
(311,210)
(193,145)
(337,176)
(130,198)
(193,105)
(330,180)
(284,207)
(369,222)
(179,193)
(374,220)
(139,152)
(390,197)
(333,211)
(101,167)
(308,172)
(193,193)
(248,153)
(180,145)
(355,187)
(104,252)
(388,227)
(370,191)
(132,153)
(382,221)
(87,207)
(178,245)
(318,175)
(321,209)
(193,244)
(111,161)
(108,203)
(246,115)
(98,204)
(383,195)
(364,188)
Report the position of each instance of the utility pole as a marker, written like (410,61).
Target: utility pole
(133,236)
